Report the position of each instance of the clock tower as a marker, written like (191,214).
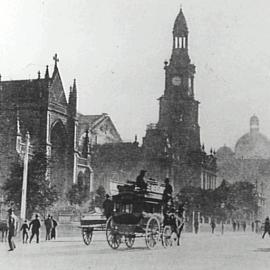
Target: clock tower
(173,144)
(178,115)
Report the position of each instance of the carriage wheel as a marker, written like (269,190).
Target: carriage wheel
(167,240)
(129,240)
(152,232)
(87,235)
(112,236)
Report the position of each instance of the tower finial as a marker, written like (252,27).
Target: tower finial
(47,72)
(56,59)
(74,86)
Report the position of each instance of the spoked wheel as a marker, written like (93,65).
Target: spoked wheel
(129,240)
(152,232)
(112,236)
(167,239)
(87,235)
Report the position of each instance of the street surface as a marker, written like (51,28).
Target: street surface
(230,251)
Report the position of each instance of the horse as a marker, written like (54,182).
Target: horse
(4,230)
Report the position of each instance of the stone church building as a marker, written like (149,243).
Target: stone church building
(40,107)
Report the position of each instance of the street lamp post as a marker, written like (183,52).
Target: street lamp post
(25,174)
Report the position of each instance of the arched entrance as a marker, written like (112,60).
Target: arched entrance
(58,164)
(83,178)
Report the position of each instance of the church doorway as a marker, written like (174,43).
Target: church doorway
(58,164)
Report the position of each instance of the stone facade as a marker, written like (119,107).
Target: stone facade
(250,161)
(40,107)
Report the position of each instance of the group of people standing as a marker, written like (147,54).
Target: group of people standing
(236,225)
(34,226)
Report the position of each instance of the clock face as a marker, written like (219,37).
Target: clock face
(176,80)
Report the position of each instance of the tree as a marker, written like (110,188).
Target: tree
(78,194)
(100,196)
(238,200)
(40,192)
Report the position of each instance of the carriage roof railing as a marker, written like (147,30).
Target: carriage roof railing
(154,190)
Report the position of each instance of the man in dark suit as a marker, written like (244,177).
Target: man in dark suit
(35,226)
(140,180)
(107,206)
(12,229)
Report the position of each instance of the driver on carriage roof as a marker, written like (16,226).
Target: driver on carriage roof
(167,193)
(140,180)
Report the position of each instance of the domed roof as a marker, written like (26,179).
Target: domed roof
(224,152)
(253,145)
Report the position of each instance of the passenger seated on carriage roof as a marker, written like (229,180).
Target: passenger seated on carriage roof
(140,180)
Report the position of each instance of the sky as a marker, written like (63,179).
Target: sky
(116,49)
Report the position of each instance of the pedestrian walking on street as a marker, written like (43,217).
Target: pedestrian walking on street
(213,225)
(238,225)
(252,226)
(222,227)
(48,225)
(35,226)
(53,231)
(257,226)
(266,227)
(244,225)
(24,229)
(234,225)
(107,206)
(12,223)
(196,225)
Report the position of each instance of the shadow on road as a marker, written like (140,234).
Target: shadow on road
(262,250)
(63,241)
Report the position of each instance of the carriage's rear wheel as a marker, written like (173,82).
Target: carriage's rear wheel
(152,232)
(87,235)
(112,236)
(167,240)
(129,240)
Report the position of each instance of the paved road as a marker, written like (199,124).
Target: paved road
(204,251)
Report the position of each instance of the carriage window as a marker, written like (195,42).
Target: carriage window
(116,207)
(126,208)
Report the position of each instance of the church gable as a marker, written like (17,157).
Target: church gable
(106,132)
(101,129)
(56,90)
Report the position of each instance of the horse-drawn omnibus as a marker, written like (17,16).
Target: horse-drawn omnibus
(142,213)
(137,213)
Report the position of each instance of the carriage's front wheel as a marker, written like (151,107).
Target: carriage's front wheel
(167,236)
(112,236)
(87,234)
(129,240)
(152,232)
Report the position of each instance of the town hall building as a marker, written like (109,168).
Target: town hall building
(172,146)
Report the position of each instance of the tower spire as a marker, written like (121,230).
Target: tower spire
(47,76)
(74,88)
(180,31)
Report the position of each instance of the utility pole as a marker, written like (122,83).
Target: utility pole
(25,174)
